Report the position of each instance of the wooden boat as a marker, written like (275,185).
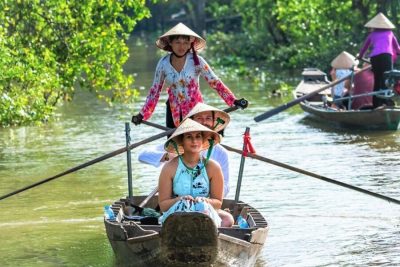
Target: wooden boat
(185,239)
(380,119)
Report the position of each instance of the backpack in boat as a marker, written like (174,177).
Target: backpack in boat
(147,216)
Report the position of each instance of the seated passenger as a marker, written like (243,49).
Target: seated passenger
(210,117)
(191,182)
(342,66)
(363,84)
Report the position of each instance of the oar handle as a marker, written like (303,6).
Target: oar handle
(364,60)
(155,125)
(296,101)
(233,108)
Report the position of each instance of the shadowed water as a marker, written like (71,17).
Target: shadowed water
(312,222)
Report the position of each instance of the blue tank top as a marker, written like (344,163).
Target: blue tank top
(188,181)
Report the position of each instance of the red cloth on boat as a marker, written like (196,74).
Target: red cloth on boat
(363,83)
(248,147)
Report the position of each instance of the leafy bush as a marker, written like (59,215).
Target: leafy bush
(47,47)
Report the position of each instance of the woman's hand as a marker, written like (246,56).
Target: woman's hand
(201,199)
(187,197)
(241,103)
(137,119)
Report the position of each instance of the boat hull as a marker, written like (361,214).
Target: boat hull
(378,119)
(186,239)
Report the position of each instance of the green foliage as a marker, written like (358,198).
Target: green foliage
(48,47)
(291,34)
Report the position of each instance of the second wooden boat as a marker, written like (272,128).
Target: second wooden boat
(377,119)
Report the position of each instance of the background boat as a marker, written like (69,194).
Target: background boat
(387,118)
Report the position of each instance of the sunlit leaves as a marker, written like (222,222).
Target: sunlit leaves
(297,33)
(47,47)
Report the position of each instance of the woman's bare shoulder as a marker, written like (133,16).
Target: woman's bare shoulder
(171,165)
(212,165)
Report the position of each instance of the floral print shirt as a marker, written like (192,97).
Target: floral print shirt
(183,87)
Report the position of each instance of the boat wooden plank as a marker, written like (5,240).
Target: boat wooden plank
(304,88)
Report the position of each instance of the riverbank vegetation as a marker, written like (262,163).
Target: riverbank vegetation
(48,48)
(290,34)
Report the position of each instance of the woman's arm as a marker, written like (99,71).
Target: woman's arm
(214,173)
(155,155)
(216,83)
(220,155)
(396,47)
(165,183)
(155,90)
(365,47)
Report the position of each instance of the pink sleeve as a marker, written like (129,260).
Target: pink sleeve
(154,92)
(224,92)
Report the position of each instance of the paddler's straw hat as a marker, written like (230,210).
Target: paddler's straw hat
(380,21)
(344,61)
(187,126)
(180,29)
(218,115)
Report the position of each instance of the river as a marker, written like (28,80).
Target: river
(312,222)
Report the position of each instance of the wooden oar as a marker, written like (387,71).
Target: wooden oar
(326,179)
(296,101)
(283,165)
(168,131)
(96,160)
(144,202)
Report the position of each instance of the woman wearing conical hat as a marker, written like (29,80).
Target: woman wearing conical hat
(208,116)
(179,71)
(384,48)
(191,182)
(342,66)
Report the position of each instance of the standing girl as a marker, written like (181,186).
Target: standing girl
(180,71)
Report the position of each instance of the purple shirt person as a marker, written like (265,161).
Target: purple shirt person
(383,49)
(381,42)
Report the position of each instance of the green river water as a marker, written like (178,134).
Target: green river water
(312,222)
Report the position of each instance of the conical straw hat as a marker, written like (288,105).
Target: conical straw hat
(187,126)
(380,22)
(344,61)
(180,29)
(201,107)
